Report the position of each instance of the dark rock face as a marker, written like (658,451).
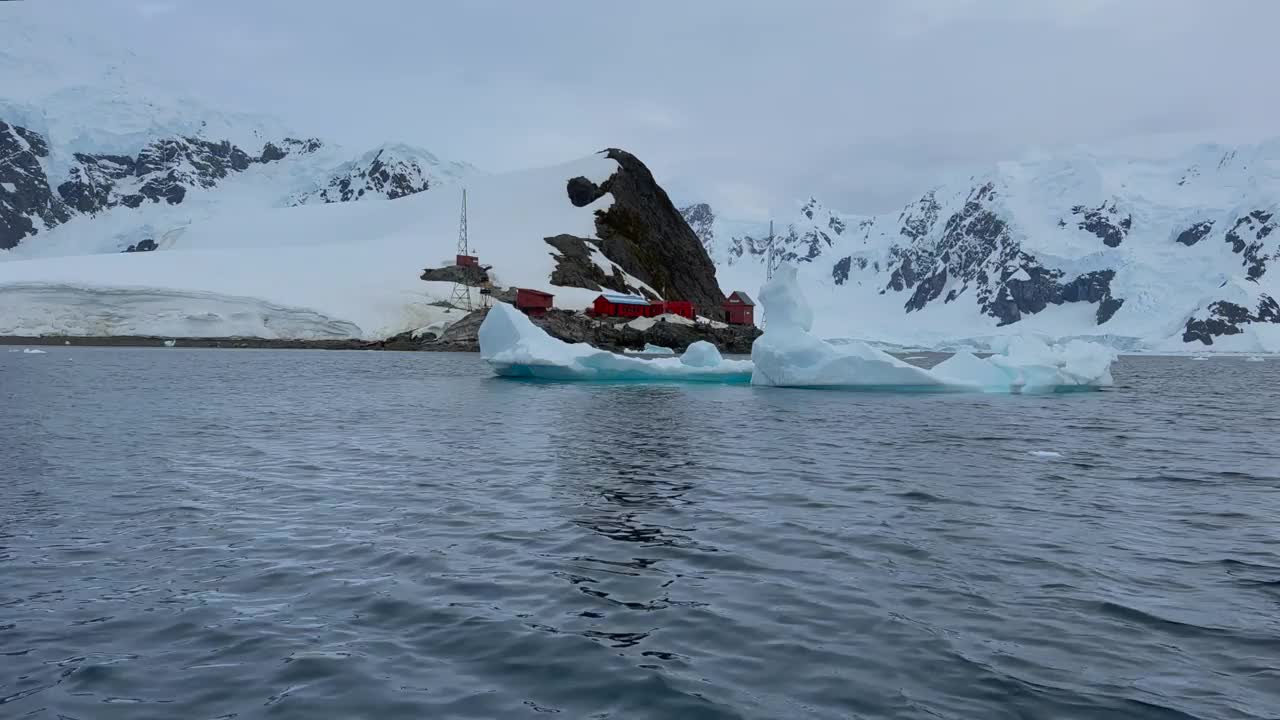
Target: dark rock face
(973,241)
(1227,318)
(1104,222)
(1195,233)
(471,275)
(1247,237)
(918,219)
(147,245)
(840,271)
(583,192)
(644,233)
(27,203)
(575,268)
(385,175)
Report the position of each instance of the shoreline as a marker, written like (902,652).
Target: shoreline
(224,343)
(401,344)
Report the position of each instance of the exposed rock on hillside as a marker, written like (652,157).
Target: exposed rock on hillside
(645,235)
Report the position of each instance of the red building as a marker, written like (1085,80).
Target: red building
(683,308)
(466,260)
(533,302)
(740,309)
(618,305)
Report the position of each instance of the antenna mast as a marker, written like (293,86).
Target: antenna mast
(460,297)
(768,273)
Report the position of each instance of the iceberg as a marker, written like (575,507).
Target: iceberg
(515,347)
(788,354)
(651,349)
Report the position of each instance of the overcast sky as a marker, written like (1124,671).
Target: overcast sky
(747,104)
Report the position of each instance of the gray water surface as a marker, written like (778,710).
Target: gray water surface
(298,534)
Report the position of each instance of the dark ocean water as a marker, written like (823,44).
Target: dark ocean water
(296,534)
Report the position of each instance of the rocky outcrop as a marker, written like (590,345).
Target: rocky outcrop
(1195,233)
(1247,238)
(470,275)
(147,245)
(574,327)
(388,173)
(575,267)
(1228,318)
(644,234)
(1104,222)
(27,203)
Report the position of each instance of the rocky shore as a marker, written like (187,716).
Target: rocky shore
(462,336)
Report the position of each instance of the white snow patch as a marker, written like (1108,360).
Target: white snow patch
(515,347)
(8,187)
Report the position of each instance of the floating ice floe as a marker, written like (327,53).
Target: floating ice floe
(651,349)
(1255,358)
(1044,454)
(33,351)
(789,355)
(515,347)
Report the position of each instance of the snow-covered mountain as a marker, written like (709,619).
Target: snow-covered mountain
(1174,252)
(95,157)
(109,201)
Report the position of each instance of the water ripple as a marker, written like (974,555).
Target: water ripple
(305,534)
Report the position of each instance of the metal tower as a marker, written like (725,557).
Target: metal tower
(460,297)
(768,273)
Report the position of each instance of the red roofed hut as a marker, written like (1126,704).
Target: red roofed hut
(619,305)
(683,308)
(739,309)
(533,302)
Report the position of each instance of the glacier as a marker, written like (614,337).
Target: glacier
(516,348)
(790,355)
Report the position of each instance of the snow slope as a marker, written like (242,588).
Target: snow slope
(1161,252)
(309,272)
(96,156)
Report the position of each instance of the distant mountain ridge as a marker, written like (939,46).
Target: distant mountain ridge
(166,171)
(1149,253)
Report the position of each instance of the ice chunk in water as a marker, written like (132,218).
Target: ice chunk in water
(651,349)
(515,347)
(788,355)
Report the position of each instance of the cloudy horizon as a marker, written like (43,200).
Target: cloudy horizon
(747,105)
